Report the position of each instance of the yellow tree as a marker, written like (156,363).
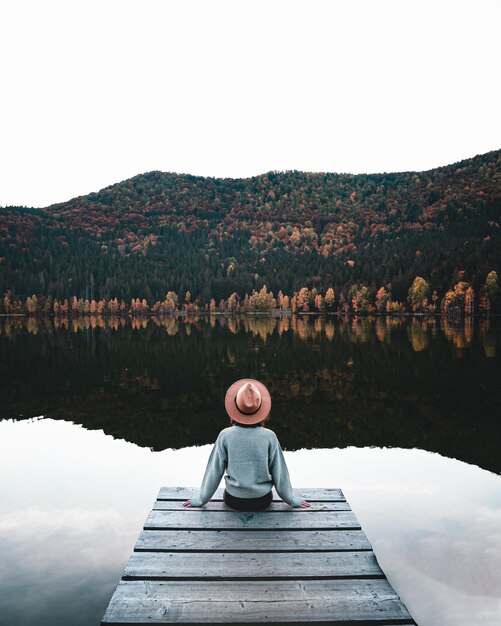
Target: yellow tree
(319,302)
(418,295)
(171,301)
(329,298)
(490,293)
(303,299)
(6,303)
(30,305)
(280,300)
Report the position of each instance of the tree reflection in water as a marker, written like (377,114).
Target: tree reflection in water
(160,383)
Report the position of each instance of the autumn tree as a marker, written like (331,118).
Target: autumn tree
(319,302)
(490,293)
(232,302)
(171,302)
(453,303)
(303,299)
(360,300)
(382,297)
(262,300)
(280,300)
(329,298)
(31,305)
(7,306)
(418,295)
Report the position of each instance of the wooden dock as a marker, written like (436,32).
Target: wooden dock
(281,565)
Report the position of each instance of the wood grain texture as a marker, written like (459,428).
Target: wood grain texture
(312,495)
(251,540)
(214,565)
(235,520)
(278,507)
(296,602)
(234,565)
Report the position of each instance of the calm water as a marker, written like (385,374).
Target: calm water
(403,415)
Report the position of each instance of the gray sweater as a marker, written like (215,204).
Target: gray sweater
(254,463)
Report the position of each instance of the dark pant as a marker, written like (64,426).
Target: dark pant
(247,504)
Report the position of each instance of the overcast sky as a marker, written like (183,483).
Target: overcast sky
(94,92)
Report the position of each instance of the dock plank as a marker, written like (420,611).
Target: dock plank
(222,520)
(278,507)
(312,495)
(234,565)
(215,565)
(251,540)
(300,602)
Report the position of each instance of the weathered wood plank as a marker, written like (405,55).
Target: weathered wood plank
(296,602)
(284,565)
(312,495)
(235,565)
(251,540)
(219,505)
(222,520)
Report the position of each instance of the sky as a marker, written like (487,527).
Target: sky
(96,92)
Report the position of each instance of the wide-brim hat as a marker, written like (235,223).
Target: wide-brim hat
(252,405)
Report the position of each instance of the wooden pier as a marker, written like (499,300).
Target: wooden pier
(219,566)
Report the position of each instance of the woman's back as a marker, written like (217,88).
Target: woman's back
(249,451)
(250,454)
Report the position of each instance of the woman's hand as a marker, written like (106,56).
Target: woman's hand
(187,504)
(305,505)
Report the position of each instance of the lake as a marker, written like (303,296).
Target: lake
(403,414)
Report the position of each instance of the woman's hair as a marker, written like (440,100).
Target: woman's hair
(261,423)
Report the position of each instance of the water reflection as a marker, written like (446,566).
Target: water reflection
(67,525)
(360,329)
(160,383)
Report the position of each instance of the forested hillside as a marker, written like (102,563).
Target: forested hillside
(161,232)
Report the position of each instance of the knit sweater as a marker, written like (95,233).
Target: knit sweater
(254,463)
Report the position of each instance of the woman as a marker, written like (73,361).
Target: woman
(250,454)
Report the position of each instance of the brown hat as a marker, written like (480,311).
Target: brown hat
(247,401)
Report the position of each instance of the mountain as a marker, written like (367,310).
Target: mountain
(211,236)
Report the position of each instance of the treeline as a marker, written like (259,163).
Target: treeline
(161,232)
(457,302)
